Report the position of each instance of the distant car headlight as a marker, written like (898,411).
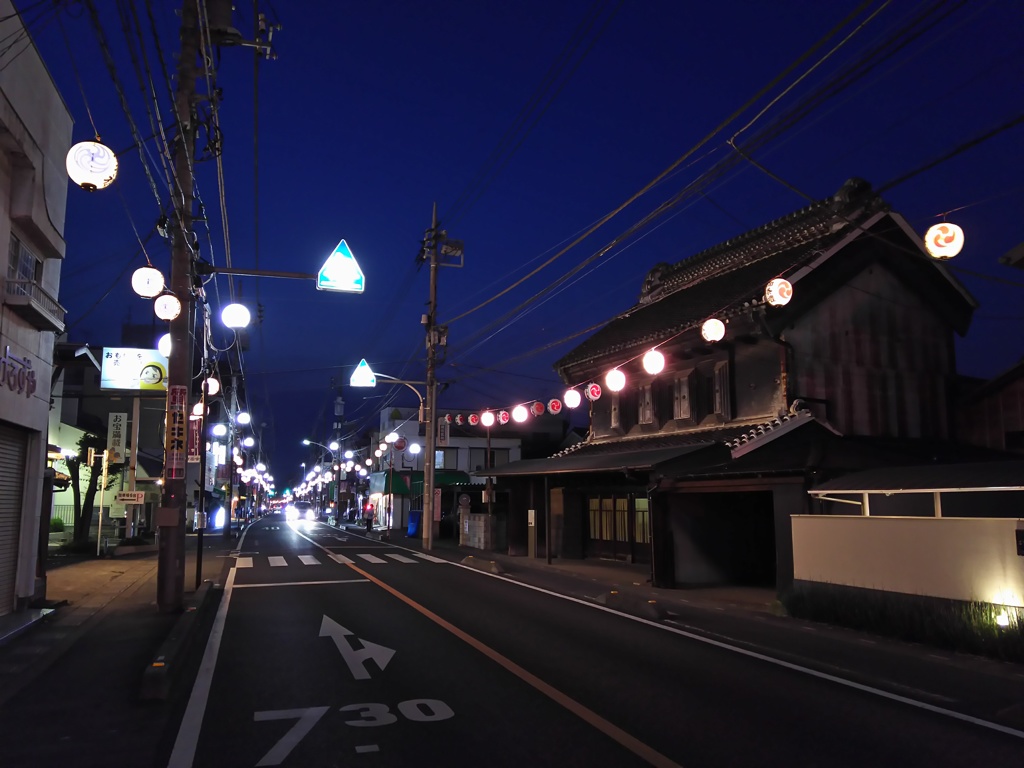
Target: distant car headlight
(310,515)
(291,513)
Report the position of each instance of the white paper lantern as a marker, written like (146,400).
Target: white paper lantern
(91,165)
(163,346)
(520,414)
(147,282)
(487,419)
(713,330)
(654,362)
(778,292)
(572,398)
(615,380)
(167,306)
(944,241)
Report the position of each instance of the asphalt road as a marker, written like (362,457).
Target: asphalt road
(333,650)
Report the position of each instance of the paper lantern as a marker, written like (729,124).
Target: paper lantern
(713,330)
(91,165)
(504,417)
(487,419)
(460,419)
(147,282)
(615,380)
(654,362)
(572,398)
(555,405)
(474,419)
(447,418)
(537,408)
(944,241)
(167,306)
(778,292)
(593,391)
(520,414)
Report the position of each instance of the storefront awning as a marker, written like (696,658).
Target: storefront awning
(388,483)
(443,478)
(616,459)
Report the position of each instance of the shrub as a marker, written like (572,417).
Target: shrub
(56,525)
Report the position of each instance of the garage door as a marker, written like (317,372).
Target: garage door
(12,481)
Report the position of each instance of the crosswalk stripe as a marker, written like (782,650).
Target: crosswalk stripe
(243,562)
(400,558)
(430,558)
(277,561)
(373,559)
(309,560)
(341,559)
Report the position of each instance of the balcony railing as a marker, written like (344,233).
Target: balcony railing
(29,300)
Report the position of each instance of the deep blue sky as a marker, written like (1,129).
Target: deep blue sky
(374,111)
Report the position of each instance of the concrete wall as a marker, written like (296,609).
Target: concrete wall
(955,558)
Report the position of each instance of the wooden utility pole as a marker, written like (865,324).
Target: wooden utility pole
(428,417)
(171,515)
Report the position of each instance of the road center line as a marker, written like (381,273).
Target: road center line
(611,730)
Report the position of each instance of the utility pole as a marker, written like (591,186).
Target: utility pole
(428,417)
(171,515)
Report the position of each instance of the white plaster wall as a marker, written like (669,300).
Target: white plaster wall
(948,557)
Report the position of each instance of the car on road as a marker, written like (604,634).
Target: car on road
(300,510)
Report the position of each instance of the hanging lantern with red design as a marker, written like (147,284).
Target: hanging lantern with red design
(593,391)
(474,419)
(447,418)
(555,405)
(460,419)
(504,417)
(944,241)
(778,292)
(537,408)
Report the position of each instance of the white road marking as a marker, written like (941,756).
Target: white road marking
(244,562)
(340,559)
(372,558)
(367,748)
(276,561)
(188,734)
(430,558)
(309,560)
(399,558)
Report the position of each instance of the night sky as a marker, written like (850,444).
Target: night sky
(527,123)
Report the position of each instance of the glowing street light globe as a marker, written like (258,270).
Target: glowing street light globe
(147,282)
(235,316)
(163,346)
(212,387)
(219,430)
(243,418)
(91,165)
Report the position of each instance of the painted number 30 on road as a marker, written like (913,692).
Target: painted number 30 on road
(369,716)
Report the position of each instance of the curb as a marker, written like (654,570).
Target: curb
(634,605)
(172,655)
(487,566)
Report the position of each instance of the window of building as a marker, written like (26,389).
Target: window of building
(22,263)
(478,458)
(722,391)
(446,458)
(642,521)
(683,405)
(645,401)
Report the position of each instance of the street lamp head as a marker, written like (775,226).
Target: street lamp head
(305,441)
(333,445)
(235,316)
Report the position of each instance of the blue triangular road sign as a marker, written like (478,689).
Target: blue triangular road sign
(341,272)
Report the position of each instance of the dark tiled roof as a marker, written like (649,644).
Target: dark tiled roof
(731,276)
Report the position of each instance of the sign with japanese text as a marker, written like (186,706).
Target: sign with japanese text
(134,369)
(194,432)
(117,426)
(177,400)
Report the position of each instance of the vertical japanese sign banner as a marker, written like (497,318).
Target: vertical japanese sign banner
(117,424)
(194,434)
(174,463)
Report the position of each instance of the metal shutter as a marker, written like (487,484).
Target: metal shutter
(12,481)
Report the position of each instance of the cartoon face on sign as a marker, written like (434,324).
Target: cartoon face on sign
(152,376)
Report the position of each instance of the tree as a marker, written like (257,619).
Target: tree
(84,504)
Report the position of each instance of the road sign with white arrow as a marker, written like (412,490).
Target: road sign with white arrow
(341,272)
(355,658)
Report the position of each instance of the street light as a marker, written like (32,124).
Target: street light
(332,448)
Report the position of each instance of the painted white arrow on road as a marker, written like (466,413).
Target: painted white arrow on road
(355,658)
